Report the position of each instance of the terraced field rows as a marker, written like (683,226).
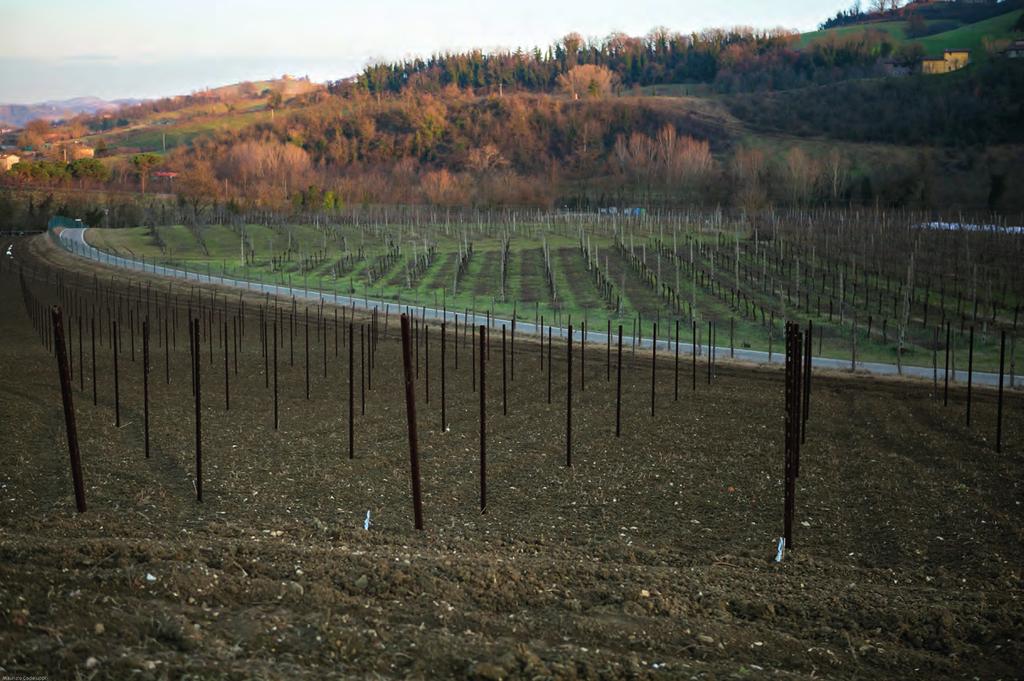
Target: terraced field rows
(800,269)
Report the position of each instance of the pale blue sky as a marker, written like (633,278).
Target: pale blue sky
(55,49)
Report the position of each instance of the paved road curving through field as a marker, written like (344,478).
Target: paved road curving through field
(73,240)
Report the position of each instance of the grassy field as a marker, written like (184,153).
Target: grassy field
(637,273)
(151,136)
(894,29)
(969,36)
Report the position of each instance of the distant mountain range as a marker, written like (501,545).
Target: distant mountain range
(18,115)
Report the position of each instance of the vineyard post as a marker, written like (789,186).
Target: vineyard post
(676,367)
(568,401)
(945,387)
(362,369)
(444,396)
(999,406)
(711,351)
(276,421)
(583,357)
(410,411)
(808,344)
(732,338)
(970,374)
(608,360)
(306,325)
(95,400)
(694,356)
(542,343)
(512,351)
(199,418)
(117,383)
(69,408)
(227,387)
(792,427)
(654,362)
(504,392)
(351,390)
(145,384)
(549,364)
(81,358)
(483,421)
(618,388)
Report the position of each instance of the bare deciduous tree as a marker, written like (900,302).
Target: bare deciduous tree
(587,80)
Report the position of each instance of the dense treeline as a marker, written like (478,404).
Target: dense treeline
(29,210)
(455,150)
(542,150)
(729,60)
(980,105)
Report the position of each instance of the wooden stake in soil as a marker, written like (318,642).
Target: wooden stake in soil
(81,358)
(583,357)
(362,369)
(806,412)
(199,418)
(307,353)
(275,376)
(694,357)
(792,427)
(711,350)
(444,396)
(117,383)
(618,387)
(676,397)
(410,411)
(69,407)
(95,400)
(654,363)
(145,384)
(549,364)
(999,403)
(608,357)
(227,387)
(970,375)
(945,387)
(512,352)
(483,421)
(568,401)
(504,389)
(351,392)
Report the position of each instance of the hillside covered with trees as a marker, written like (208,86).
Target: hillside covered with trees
(766,119)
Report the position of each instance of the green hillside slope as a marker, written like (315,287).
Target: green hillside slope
(967,36)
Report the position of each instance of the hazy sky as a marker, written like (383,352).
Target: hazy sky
(56,49)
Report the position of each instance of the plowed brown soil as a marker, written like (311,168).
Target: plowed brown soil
(650,558)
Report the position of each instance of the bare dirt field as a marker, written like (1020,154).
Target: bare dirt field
(651,557)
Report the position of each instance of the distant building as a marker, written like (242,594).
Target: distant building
(78,150)
(1015,50)
(7,161)
(895,69)
(951,60)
